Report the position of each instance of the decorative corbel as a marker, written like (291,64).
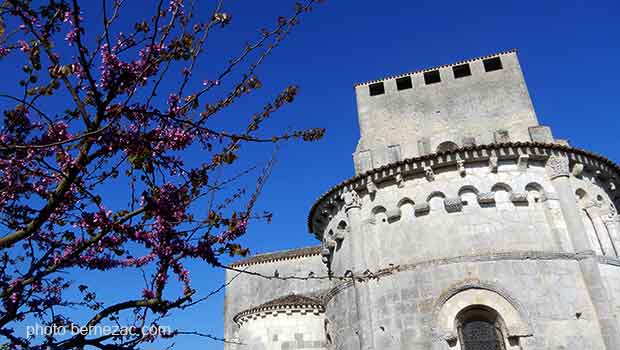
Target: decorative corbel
(523,162)
(577,170)
(429,173)
(460,164)
(399,180)
(371,187)
(493,161)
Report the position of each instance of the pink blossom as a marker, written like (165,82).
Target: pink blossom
(148,294)
(71,36)
(24,46)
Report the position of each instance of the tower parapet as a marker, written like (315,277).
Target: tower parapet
(478,101)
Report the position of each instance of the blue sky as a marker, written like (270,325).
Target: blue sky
(569,52)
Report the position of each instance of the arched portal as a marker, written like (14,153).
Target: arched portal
(477,308)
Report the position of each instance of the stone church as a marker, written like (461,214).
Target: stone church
(467,226)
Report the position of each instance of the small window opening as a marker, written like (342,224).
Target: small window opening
(376,89)
(432,77)
(480,329)
(461,71)
(404,83)
(492,64)
(447,146)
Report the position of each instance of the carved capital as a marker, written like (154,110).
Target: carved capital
(486,198)
(453,204)
(557,166)
(351,199)
(518,197)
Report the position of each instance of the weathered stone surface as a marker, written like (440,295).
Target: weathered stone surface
(421,118)
(541,133)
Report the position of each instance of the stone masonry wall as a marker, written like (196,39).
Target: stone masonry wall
(482,108)
(246,291)
(549,294)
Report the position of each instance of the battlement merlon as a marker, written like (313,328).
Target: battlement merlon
(478,101)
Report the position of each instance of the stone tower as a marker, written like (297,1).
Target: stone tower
(466,226)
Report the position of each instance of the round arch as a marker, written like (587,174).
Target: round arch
(452,303)
(447,146)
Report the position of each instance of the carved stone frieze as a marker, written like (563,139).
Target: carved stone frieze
(557,158)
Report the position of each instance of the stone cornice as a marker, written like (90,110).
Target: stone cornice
(278,256)
(480,153)
(285,305)
(437,67)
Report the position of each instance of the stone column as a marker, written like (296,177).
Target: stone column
(553,214)
(613,229)
(358,266)
(602,232)
(558,167)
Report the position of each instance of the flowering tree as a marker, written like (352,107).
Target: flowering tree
(132,110)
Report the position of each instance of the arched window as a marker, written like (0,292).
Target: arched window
(480,328)
(447,146)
